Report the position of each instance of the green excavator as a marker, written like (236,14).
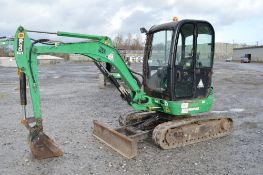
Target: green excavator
(171,100)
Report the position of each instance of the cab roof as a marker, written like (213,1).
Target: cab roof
(174,25)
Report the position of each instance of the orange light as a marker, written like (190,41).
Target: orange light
(21,35)
(175,19)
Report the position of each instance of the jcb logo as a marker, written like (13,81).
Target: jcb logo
(20,43)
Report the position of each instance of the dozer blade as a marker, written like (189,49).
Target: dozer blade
(42,147)
(116,140)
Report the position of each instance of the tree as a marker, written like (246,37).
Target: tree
(118,41)
(137,43)
(128,41)
(4,51)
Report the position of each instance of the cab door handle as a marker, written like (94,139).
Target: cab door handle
(178,75)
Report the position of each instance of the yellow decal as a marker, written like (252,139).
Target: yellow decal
(21,35)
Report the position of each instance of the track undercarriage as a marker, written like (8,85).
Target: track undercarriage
(167,131)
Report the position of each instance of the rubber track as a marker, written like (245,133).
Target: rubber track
(160,131)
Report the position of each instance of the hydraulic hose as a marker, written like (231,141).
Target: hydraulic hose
(137,79)
(30,56)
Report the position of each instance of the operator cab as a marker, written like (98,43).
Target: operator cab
(178,60)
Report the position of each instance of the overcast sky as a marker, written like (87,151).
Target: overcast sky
(238,20)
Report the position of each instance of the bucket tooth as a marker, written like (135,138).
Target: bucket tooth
(43,147)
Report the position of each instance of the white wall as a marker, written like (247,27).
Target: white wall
(256,53)
(8,62)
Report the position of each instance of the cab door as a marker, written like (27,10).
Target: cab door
(193,60)
(204,59)
(184,62)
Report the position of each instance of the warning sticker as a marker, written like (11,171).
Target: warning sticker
(200,84)
(184,105)
(110,57)
(165,103)
(184,111)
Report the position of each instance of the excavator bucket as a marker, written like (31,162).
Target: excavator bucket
(42,147)
(119,142)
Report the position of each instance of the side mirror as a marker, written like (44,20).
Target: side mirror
(143,30)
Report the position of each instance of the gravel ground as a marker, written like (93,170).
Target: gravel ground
(71,99)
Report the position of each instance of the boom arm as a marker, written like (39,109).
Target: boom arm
(98,48)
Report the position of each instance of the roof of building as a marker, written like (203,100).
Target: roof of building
(250,47)
(48,57)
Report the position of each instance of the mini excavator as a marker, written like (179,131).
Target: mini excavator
(171,102)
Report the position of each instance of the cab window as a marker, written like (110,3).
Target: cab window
(204,46)
(157,78)
(185,47)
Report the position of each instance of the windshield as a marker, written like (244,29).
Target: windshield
(158,60)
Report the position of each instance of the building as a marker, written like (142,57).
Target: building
(8,62)
(41,59)
(255,51)
(223,51)
(48,59)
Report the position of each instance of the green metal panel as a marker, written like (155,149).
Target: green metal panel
(185,107)
(177,108)
(103,39)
